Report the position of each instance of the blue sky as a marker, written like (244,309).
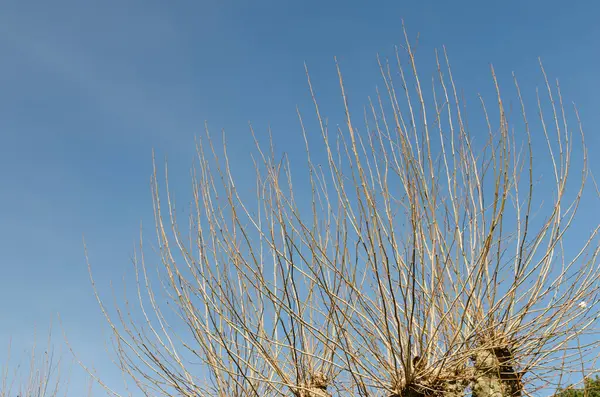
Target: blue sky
(88,89)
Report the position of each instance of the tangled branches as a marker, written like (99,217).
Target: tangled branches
(414,263)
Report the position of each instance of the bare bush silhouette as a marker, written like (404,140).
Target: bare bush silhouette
(418,263)
(43,375)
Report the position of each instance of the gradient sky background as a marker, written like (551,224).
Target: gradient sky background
(89,88)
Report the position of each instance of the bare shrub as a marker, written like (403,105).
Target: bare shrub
(417,263)
(42,375)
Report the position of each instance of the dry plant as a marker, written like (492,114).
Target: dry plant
(42,376)
(419,261)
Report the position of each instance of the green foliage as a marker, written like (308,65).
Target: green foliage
(591,388)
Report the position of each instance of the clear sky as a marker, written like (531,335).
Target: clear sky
(88,88)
